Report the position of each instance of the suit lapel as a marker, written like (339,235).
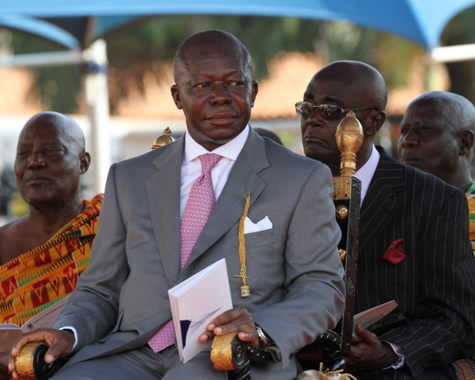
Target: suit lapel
(382,201)
(163,190)
(244,178)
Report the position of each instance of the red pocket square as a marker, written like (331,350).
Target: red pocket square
(394,254)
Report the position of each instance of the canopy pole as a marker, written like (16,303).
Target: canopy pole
(454,53)
(97,99)
(56,58)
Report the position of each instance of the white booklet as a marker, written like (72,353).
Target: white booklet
(9,332)
(195,302)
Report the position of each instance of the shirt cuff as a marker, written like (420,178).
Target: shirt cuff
(399,352)
(71,328)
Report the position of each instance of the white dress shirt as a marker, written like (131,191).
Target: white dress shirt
(191,165)
(366,172)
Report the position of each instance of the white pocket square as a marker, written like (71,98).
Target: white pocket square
(262,225)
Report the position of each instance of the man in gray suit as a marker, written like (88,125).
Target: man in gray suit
(293,270)
(413,244)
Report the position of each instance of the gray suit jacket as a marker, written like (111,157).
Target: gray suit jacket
(294,271)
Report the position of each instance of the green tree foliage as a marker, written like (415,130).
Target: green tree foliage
(55,87)
(137,49)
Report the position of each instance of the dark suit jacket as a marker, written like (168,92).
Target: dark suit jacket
(295,275)
(435,285)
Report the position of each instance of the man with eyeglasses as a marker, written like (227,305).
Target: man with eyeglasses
(413,242)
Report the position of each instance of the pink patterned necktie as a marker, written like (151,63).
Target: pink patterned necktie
(198,207)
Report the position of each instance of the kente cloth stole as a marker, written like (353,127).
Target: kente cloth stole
(471,213)
(38,278)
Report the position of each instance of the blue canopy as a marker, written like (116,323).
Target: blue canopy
(421,21)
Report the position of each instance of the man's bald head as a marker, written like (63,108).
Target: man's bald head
(360,78)
(69,126)
(210,42)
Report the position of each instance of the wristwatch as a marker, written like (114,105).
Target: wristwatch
(264,340)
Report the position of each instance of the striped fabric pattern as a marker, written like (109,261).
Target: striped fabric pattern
(434,285)
(471,213)
(38,278)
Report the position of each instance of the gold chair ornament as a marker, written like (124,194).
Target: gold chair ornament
(30,363)
(164,139)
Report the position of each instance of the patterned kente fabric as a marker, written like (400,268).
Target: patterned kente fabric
(471,210)
(38,278)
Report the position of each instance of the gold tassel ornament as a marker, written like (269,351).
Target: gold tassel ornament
(245,289)
(313,374)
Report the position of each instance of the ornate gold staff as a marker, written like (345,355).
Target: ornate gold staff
(349,137)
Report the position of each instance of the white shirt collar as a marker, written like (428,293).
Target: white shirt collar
(229,150)
(366,172)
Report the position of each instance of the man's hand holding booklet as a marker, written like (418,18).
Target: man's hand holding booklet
(195,302)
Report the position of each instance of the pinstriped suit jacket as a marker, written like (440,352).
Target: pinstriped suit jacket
(435,285)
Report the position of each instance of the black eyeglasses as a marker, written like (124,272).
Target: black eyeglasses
(327,111)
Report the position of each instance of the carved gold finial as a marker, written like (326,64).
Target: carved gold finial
(349,137)
(164,139)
